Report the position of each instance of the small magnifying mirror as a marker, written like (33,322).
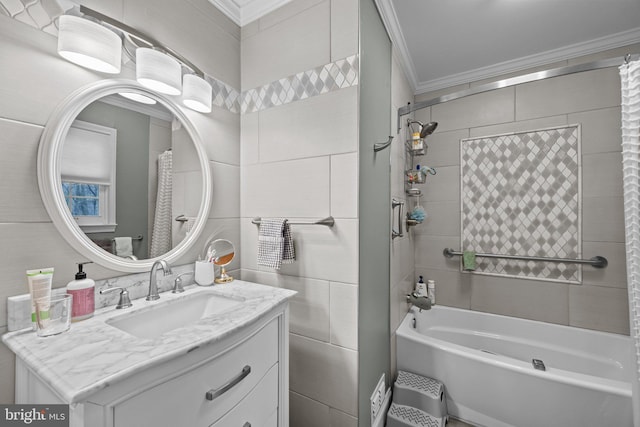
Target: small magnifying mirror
(222,252)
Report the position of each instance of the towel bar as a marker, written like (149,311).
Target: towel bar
(138,237)
(328,221)
(596,261)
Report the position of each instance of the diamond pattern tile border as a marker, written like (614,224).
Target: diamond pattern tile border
(340,74)
(520,195)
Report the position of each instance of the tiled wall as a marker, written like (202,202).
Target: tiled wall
(591,99)
(300,161)
(35,80)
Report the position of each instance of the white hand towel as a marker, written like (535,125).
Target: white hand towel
(275,243)
(124,246)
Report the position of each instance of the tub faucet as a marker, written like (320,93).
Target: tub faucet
(423,303)
(153,284)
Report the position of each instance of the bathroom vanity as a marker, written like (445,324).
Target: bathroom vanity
(228,367)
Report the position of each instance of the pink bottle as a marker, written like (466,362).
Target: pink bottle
(83,291)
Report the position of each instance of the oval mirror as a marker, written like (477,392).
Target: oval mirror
(125,183)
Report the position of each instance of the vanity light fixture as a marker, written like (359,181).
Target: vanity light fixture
(196,93)
(157,67)
(158,71)
(89,44)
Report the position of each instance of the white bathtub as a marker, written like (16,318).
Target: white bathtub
(485,363)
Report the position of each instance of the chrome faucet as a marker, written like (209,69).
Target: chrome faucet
(153,285)
(422,302)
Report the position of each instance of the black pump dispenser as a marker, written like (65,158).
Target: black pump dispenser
(80,275)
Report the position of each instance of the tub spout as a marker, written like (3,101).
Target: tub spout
(423,303)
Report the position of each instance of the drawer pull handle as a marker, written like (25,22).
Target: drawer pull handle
(212,394)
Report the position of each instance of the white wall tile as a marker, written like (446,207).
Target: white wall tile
(293,45)
(600,132)
(324,372)
(20,199)
(444,186)
(601,308)
(344,315)
(309,308)
(219,132)
(249,136)
(615,274)
(529,299)
(603,219)
(480,110)
(519,126)
(225,200)
(402,253)
(443,219)
(429,249)
(568,94)
(321,252)
(344,185)
(344,28)
(317,126)
(56,78)
(444,148)
(602,175)
(296,188)
(307,412)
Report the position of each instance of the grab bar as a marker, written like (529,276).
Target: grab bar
(138,237)
(596,261)
(394,204)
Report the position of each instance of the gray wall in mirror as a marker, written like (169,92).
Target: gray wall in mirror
(36,80)
(132,172)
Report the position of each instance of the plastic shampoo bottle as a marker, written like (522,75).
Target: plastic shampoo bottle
(83,291)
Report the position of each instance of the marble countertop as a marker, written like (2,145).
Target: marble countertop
(93,354)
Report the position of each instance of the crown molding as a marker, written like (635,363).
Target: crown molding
(390,20)
(545,58)
(244,12)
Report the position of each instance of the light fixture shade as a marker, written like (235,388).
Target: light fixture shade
(138,98)
(89,44)
(196,93)
(158,71)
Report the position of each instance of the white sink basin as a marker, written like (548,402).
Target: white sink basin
(157,320)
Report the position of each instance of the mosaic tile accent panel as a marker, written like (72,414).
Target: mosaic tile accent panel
(340,74)
(520,195)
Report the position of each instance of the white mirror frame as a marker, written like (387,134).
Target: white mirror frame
(49,181)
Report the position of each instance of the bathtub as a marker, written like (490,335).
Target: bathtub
(485,363)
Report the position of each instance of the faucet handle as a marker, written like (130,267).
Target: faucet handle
(124,301)
(177,283)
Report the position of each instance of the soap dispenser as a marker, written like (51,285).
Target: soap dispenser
(83,291)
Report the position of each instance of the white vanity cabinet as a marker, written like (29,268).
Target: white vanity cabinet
(239,380)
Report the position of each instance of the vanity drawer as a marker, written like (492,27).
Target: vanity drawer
(259,408)
(203,395)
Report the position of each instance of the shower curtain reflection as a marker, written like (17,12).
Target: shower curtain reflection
(161,237)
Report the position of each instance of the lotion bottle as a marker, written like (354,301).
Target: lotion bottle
(431,291)
(83,291)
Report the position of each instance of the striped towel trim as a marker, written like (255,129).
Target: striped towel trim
(275,243)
